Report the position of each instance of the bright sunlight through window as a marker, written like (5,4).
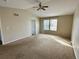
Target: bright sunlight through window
(50,24)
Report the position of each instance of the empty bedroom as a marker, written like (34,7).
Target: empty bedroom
(39,29)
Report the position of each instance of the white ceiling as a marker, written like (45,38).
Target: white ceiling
(21,4)
(56,7)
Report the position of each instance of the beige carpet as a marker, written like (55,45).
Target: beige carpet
(38,47)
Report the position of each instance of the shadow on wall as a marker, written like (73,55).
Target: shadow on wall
(0,39)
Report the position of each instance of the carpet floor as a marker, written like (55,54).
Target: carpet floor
(38,47)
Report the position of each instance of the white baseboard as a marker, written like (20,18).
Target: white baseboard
(4,43)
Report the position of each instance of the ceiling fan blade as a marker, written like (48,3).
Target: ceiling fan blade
(38,9)
(45,6)
(40,4)
(43,9)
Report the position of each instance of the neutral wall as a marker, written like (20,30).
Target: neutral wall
(64,26)
(75,33)
(15,27)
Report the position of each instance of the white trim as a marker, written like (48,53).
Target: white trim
(75,53)
(4,43)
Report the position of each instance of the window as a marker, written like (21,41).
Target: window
(50,24)
(53,25)
(46,24)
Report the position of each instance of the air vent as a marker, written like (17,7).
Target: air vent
(5,0)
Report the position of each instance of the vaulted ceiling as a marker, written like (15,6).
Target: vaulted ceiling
(56,7)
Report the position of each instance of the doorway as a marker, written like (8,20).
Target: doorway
(0,33)
(33,27)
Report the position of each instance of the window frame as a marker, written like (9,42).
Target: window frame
(50,24)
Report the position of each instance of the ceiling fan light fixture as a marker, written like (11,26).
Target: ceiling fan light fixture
(41,7)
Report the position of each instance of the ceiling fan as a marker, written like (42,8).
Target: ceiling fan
(41,7)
